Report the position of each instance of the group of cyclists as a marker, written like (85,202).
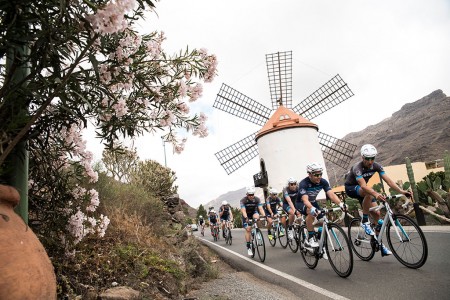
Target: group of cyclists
(300,198)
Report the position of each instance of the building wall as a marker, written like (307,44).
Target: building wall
(398,172)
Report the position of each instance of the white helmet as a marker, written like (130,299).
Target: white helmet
(224,202)
(292,180)
(273,191)
(314,167)
(251,190)
(201,217)
(368,150)
(212,211)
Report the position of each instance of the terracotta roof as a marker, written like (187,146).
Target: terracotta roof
(284,118)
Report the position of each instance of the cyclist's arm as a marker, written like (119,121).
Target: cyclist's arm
(306,201)
(261,210)
(392,184)
(269,208)
(244,212)
(334,198)
(289,201)
(369,190)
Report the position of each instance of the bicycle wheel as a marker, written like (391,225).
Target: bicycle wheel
(229,236)
(282,239)
(411,248)
(338,249)
(293,244)
(309,255)
(275,234)
(359,240)
(260,246)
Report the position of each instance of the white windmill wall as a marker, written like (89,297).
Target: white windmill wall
(287,152)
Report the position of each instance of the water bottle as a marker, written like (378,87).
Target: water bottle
(319,233)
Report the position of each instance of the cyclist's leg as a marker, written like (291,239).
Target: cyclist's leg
(247,229)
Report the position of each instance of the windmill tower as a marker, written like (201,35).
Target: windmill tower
(287,141)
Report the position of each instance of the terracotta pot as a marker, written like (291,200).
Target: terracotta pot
(25,269)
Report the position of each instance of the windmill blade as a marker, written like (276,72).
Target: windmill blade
(335,150)
(235,156)
(279,70)
(327,96)
(238,104)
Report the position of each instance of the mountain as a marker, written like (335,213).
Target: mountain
(419,130)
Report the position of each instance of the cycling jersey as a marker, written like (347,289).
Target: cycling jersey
(273,202)
(251,206)
(292,194)
(213,219)
(225,210)
(307,187)
(201,221)
(359,171)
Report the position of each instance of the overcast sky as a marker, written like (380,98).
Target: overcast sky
(388,52)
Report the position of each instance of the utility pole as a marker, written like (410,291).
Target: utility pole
(164,146)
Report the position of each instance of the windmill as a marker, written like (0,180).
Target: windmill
(287,141)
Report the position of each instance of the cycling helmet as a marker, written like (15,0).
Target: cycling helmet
(292,180)
(314,167)
(368,150)
(201,217)
(273,191)
(251,190)
(224,202)
(212,211)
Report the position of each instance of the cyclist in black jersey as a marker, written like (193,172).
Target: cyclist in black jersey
(290,194)
(271,209)
(225,215)
(356,187)
(201,223)
(251,207)
(308,189)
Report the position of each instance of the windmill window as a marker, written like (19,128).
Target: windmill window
(284,117)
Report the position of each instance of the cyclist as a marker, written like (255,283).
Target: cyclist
(272,203)
(213,220)
(356,187)
(201,223)
(290,193)
(225,215)
(251,206)
(308,189)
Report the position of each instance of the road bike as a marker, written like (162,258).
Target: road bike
(333,241)
(278,230)
(405,238)
(296,224)
(202,229)
(215,232)
(257,240)
(227,233)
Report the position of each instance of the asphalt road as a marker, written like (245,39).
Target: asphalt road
(380,278)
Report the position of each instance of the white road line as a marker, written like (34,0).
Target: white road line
(301,282)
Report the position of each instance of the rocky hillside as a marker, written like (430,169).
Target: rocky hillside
(419,130)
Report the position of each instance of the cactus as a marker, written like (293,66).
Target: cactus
(446,182)
(412,181)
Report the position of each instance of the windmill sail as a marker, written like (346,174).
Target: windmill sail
(279,70)
(235,156)
(335,150)
(332,93)
(238,104)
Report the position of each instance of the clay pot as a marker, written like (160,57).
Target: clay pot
(25,269)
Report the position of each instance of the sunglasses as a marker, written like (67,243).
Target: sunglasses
(251,195)
(317,175)
(369,158)
(292,183)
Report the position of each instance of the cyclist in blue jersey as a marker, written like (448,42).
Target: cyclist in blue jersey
(271,210)
(225,215)
(290,193)
(213,220)
(308,189)
(251,206)
(356,187)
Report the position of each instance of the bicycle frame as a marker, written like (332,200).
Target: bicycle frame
(325,233)
(390,217)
